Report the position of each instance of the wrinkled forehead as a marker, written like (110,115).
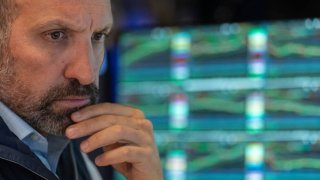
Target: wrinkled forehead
(93,13)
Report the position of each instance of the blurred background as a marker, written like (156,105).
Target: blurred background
(231,86)
(137,13)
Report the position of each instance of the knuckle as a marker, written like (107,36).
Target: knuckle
(126,152)
(149,152)
(138,113)
(146,124)
(119,130)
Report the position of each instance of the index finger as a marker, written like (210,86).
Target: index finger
(106,108)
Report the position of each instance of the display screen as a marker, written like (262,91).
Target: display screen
(229,101)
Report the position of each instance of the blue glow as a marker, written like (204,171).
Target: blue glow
(104,66)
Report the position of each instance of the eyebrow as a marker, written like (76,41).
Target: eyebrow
(106,30)
(57,23)
(67,25)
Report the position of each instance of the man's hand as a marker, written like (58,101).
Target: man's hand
(125,136)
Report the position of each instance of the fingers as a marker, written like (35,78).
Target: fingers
(132,154)
(125,136)
(116,134)
(106,108)
(98,123)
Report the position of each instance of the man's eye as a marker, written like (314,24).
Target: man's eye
(56,35)
(98,37)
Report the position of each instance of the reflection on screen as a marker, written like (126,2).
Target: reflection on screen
(230,101)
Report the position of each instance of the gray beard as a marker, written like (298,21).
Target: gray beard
(38,112)
(44,118)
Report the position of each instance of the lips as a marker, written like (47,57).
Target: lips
(72,102)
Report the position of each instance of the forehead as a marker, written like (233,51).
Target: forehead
(93,13)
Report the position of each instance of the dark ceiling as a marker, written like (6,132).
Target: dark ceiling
(190,12)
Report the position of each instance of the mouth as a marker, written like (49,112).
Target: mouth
(71,102)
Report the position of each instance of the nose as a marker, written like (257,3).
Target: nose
(82,66)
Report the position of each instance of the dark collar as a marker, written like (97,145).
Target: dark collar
(14,150)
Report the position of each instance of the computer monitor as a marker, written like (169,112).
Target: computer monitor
(229,101)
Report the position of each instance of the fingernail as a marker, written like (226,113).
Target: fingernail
(71,132)
(85,146)
(75,116)
(98,161)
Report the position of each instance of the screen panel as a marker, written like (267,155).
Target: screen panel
(229,101)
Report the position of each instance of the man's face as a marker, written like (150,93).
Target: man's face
(52,66)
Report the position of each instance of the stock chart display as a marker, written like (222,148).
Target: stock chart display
(229,101)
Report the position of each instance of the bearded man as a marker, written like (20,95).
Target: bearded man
(50,55)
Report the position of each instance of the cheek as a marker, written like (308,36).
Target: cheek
(100,57)
(33,58)
(35,69)
(34,63)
